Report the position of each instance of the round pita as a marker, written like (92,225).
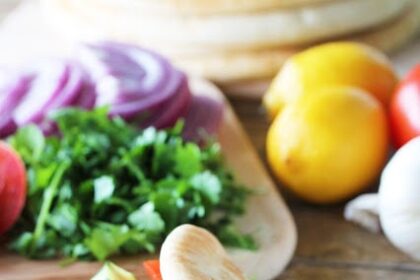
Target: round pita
(173,33)
(232,68)
(196,7)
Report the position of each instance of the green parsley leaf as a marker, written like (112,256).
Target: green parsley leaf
(146,219)
(104,188)
(101,187)
(208,184)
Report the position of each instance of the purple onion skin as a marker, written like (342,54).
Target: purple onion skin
(14,90)
(174,108)
(131,109)
(140,86)
(69,88)
(128,63)
(78,92)
(137,84)
(116,62)
(43,90)
(8,128)
(87,97)
(203,119)
(70,91)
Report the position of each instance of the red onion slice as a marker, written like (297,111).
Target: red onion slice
(137,84)
(46,86)
(127,72)
(203,118)
(8,127)
(169,112)
(130,109)
(69,92)
(76,92)
(12,90)
(87,96)
(48,80)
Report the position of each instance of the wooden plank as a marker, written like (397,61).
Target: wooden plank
(334,239)
(333,271)
(322,231)
(13,267)
(328,247)
(326,240)
(267,217)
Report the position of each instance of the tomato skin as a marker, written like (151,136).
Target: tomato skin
(405,109)
(1,182)
(152,268)
(13,193)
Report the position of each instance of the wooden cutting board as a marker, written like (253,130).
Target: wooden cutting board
(267,218)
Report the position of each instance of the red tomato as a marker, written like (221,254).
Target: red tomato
(13,192)
(152,268)
(405,109)
(1,184)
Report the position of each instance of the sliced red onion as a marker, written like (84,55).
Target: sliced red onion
(203,118)
(8,127)
(46,86)
(48,80)
(174,108)
(76,92)
(129,109)
(144,88)
(136,83)
(12,89)
(131,70)
(70,90)
(87,96)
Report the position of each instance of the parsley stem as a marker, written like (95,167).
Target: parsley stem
(49,195)
(135,170)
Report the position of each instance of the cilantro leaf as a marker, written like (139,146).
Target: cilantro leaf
(147,219)
(101,187)
(208,184)
(104,188)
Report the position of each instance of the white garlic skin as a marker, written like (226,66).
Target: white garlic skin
(399,199)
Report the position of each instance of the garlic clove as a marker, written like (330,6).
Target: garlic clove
(399,199)
(363,210)
(111,271)
(193,253)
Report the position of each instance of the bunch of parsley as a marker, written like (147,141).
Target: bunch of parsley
(102,188)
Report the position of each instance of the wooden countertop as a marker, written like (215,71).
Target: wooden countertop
(328,246)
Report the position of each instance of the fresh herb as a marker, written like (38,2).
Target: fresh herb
(102,188)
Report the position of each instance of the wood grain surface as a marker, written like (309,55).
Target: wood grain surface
(328,247)
(267,217)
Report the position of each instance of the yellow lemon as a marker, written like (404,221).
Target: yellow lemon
(339,63)
(330,145)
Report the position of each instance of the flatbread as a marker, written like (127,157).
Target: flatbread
(197,7)
(230,68)
(222,32)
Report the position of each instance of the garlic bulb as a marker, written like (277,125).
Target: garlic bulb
(364,211)
(397,202)
(193,253)
(399,199)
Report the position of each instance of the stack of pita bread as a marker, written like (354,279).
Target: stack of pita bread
(236,42)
